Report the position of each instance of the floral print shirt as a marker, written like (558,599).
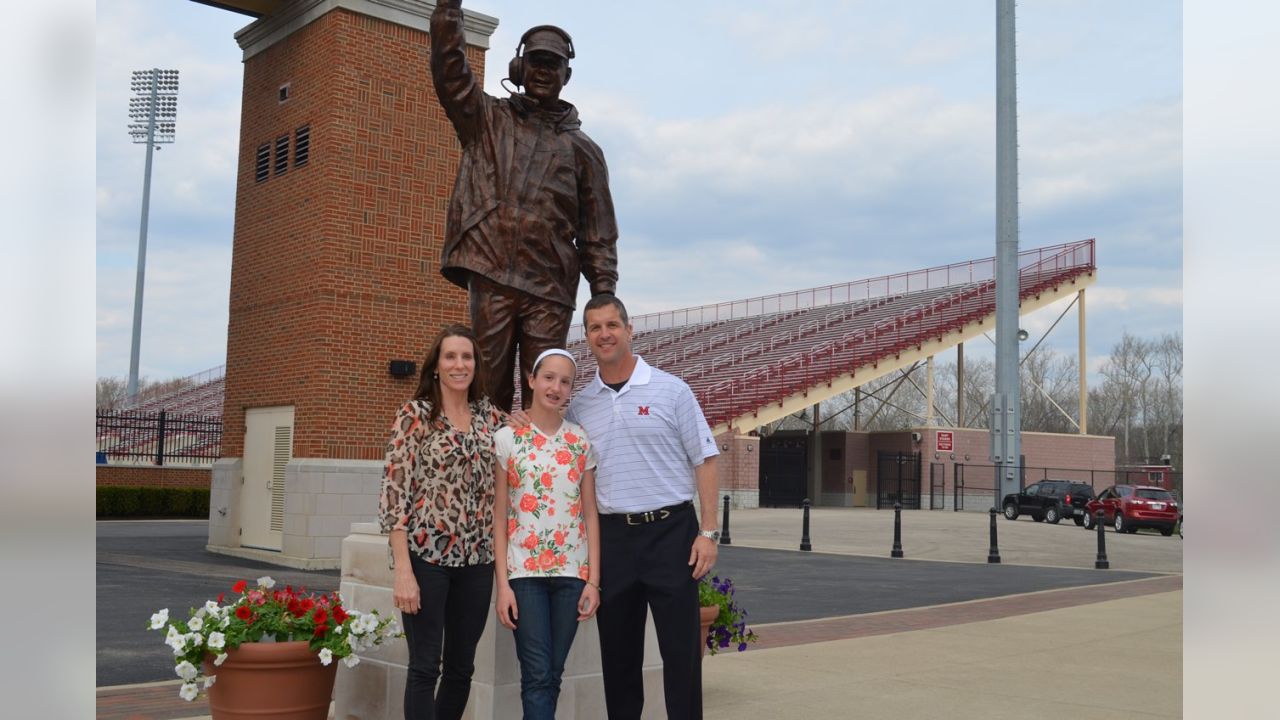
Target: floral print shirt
(546,529)
(437,484)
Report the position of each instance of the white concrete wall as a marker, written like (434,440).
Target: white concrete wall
(374,689)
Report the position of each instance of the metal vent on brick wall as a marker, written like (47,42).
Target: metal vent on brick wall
(301,145)
(282,154)
(262,166)
(280,457)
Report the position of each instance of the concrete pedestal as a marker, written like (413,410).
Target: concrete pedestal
(374,689)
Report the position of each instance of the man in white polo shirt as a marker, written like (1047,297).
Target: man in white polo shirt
(654,451)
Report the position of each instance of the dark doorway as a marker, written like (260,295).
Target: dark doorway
(784,465)
(898,479)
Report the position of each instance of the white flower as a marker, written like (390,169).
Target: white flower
(216,640)
(173,637)
(178,642)
(338,630)
(211,606)
(351,660)
(266,582)
(217,662)
(159,619)
(188,691)
(226,620)
(196,639)
(209,681)
(195,623)
(186,670)
(326,656)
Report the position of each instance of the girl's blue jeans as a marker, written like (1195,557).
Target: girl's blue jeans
(548,620)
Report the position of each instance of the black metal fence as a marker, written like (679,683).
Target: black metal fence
(158,438)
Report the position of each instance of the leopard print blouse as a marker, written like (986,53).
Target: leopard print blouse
(437,484)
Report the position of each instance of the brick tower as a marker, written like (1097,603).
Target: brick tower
(346,163)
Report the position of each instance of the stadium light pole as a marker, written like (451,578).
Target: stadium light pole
(1006,420)
(153,116)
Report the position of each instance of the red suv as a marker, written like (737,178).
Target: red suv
(1129,507)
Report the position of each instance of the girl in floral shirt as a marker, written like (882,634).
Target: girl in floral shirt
(546,533)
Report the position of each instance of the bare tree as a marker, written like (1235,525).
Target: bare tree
(111,392)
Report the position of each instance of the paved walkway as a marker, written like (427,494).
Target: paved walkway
(1040,654)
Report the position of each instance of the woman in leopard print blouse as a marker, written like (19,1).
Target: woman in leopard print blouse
(437,507)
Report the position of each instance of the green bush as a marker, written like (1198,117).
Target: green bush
(117,501)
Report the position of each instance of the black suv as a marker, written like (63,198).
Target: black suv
(1050,501)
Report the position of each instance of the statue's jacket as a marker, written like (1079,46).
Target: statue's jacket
(531,208)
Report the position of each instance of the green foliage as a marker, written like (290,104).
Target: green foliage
(730,626)
(118,501)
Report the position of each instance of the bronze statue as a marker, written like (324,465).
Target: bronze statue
(531,207)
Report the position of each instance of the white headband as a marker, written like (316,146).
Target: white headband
(554,351)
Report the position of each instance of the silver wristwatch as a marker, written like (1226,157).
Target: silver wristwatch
(712,535)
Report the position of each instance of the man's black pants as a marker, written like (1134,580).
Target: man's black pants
(648,565)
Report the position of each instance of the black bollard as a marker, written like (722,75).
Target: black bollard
(1101,563)
(897,531)
(993,555)
(804,535)
(724,533)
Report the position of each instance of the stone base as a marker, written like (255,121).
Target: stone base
(322,498)
(739,499)
(374,689)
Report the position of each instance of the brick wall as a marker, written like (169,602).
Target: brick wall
(738,464)
(153,476)
(335,264)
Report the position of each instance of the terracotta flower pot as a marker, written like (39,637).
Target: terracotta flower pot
(275,681)
(706,616)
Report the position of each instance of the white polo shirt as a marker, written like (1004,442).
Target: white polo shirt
(647,439)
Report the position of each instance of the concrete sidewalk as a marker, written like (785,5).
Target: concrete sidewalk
(1052,664)
(1045,654)
(918,663)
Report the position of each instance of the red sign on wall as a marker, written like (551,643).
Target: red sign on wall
(946,441)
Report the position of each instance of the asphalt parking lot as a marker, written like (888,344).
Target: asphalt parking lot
(143,566)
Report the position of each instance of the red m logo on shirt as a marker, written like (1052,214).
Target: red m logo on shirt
(642,410)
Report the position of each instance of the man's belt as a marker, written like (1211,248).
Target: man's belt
(651,516)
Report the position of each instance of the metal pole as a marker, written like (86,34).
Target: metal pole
(1101,562)
(1084,376)
(993,554)
(1006,441)
(897,531)
(724,536)
(804,533)
(131,390)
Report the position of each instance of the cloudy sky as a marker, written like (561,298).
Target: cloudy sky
(754,147)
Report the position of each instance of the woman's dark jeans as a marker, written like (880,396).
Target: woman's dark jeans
(548,620)
(448,625)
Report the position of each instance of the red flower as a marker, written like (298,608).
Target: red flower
(220,597)
(584,572)
(573,475)
(559,537)
(570,438)
(546,480)
(295,609)
(321,630)
(539,440)
(512,478)
(307,604)
(560,560)
(239,587)
(339,614)
(530,564)
(528,503)
(244,613)
(320,617)
(547,560)
(512,526)
(582,462)
(530,542)
(564,457)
